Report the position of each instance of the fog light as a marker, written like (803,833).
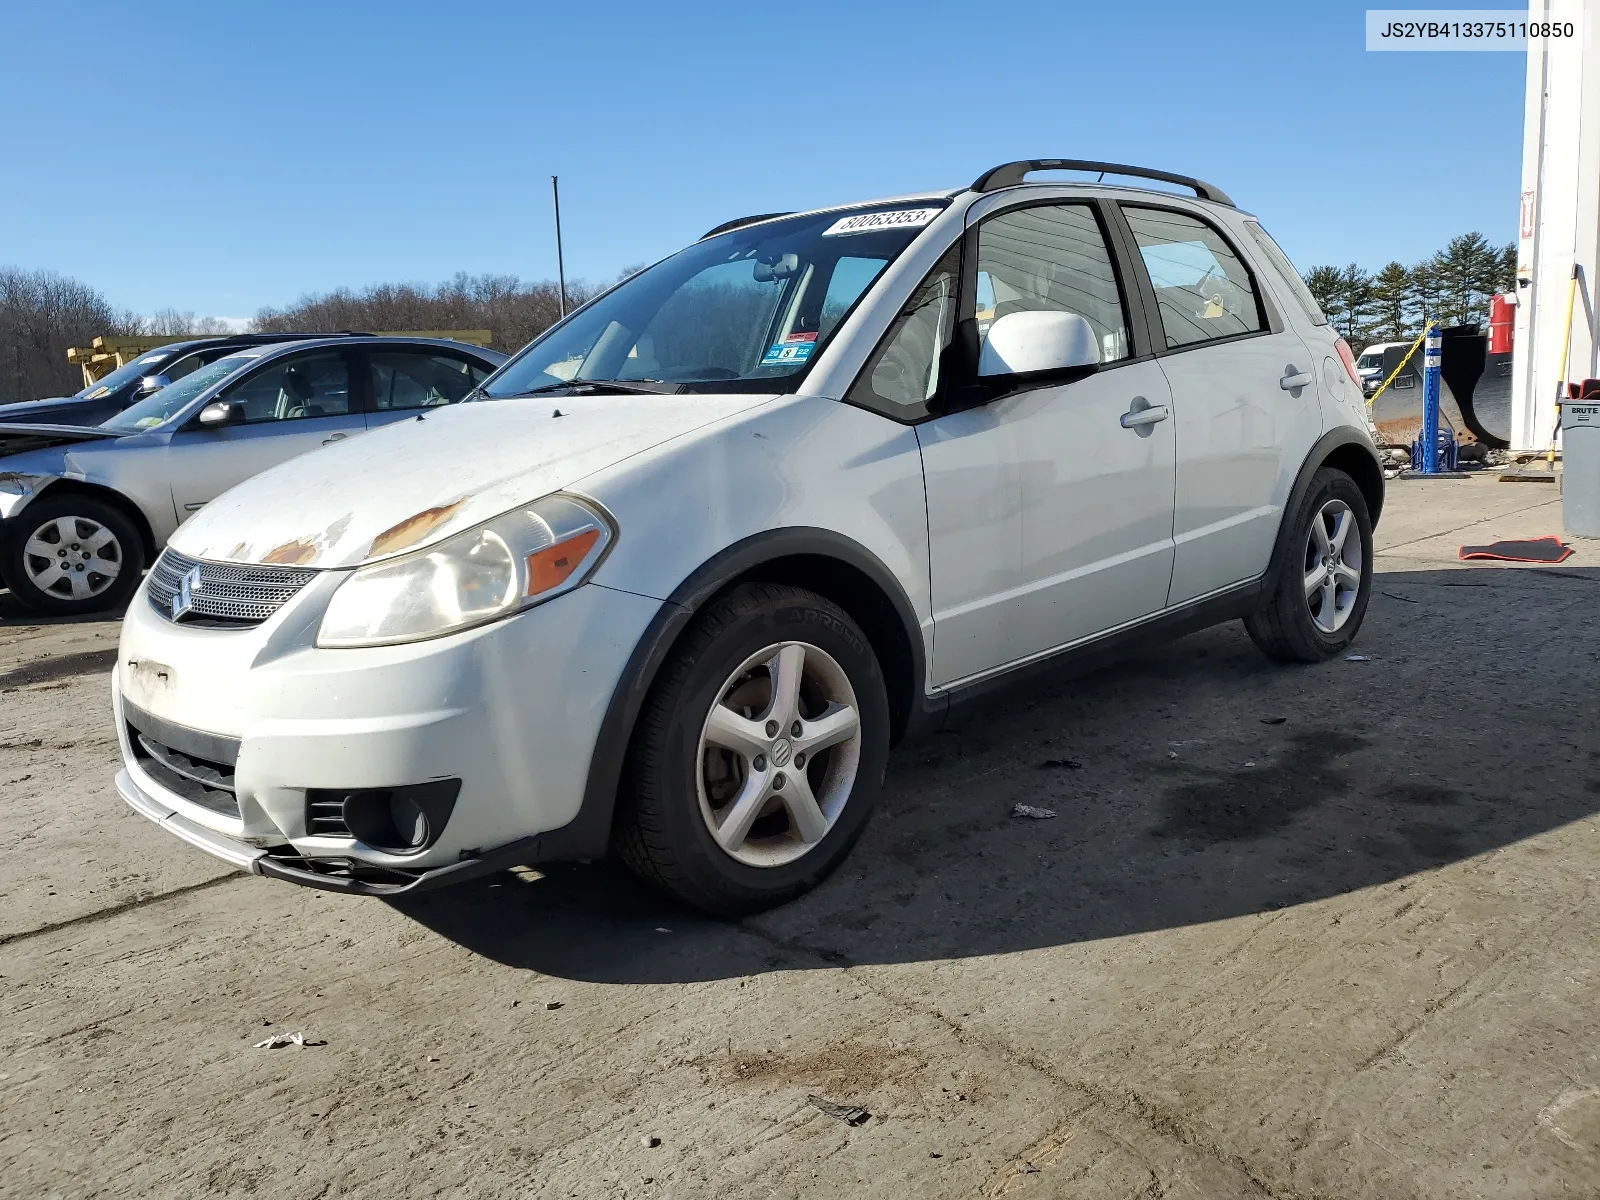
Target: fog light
(399,820)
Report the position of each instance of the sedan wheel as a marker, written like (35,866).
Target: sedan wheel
(72,558)
(71,553)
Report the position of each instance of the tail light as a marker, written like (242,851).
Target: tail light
(1349,360)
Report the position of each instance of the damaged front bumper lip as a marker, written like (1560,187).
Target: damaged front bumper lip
(261,862)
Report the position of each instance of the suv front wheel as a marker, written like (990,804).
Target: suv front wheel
(759,754)
(1320,595)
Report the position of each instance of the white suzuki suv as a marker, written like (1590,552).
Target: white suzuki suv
(682,572)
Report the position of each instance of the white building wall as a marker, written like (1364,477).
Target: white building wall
(1560,218)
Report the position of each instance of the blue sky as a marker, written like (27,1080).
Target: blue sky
(216,158)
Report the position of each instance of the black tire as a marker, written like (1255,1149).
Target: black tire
(127,546)
(660,832)
(1284,629)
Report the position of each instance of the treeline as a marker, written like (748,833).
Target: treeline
(43,313)
(514,311)
(1393,304)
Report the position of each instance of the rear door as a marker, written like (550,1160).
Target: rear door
(405,380)
(292,404)
(1244,396)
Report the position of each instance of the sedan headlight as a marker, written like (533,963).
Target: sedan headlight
(519,559)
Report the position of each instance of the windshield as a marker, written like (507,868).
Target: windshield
(164,405)
(745,310)
(145,364)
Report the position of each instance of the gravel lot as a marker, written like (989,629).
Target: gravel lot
(1352,953)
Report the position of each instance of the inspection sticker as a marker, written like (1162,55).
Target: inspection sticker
(873,221)
(793,350)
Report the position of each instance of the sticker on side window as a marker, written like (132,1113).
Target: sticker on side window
(792,351)
(871,222)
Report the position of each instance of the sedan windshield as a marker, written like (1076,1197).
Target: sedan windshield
(148,363)
(743,311)
(162,406)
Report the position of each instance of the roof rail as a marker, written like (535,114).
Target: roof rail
(1012,173)
(742,221)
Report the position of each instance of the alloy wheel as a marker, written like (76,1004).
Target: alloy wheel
(778,754)
(1333,562)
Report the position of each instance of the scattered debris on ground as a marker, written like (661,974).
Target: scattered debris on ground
(1036,814)
(848,1113)
(279,1040)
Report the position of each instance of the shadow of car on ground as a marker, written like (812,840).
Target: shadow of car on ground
(1189,801)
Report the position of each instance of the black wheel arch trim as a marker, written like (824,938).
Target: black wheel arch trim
(1326,446)
(588,835)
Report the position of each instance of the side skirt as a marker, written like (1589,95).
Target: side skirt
(1084,657)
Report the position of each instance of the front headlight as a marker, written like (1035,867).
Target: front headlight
(520,558)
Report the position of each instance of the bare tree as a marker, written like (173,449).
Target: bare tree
(513,310)
(169,322)
(41,315)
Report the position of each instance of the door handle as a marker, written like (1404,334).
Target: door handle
(1143,414)
(334,437)
(1294,379)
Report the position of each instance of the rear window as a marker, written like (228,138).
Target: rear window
(1286,269)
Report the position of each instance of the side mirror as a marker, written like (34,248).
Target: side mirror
(151,384)
(221,412)
(1022,343)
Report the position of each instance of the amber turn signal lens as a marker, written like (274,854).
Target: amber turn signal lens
(549,568)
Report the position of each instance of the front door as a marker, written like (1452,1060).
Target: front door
(1049,508)
(290,405)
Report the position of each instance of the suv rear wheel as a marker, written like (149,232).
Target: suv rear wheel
(72,554)
(1320,595)
(759,754)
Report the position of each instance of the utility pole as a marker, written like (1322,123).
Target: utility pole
(561,269)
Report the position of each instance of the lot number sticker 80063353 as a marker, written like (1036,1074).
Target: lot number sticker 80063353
(871,222)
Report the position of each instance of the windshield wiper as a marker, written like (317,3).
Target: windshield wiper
(632,387)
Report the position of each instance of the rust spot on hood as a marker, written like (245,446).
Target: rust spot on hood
(413,529)
(297,553)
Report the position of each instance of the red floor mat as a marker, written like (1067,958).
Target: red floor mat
(1539,550)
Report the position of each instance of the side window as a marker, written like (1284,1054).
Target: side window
(903,373)
(306,385)
(1291,277)
(178,368)
(1052,258)
(1203,291)
(412,379)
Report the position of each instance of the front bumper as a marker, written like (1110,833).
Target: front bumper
(512,710)
(260,862)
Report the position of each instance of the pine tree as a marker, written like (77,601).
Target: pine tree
(1425,289)
(1323,284)
(1392,304)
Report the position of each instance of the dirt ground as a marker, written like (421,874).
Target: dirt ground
(1318,932)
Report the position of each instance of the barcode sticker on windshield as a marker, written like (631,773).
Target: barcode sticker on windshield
(873,221)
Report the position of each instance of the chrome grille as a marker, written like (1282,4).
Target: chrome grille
(224,593)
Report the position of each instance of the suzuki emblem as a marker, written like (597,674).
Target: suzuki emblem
(183,598)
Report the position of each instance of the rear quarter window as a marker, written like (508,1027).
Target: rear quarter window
(1285,269)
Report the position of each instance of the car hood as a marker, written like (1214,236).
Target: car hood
(17,436)
(415,482)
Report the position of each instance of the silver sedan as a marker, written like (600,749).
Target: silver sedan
(84,510)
